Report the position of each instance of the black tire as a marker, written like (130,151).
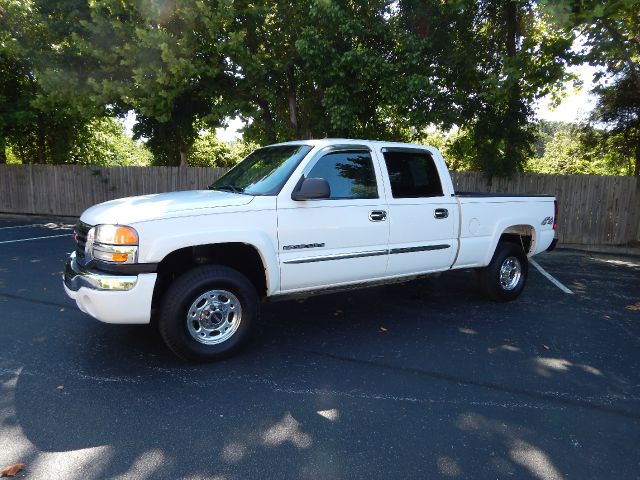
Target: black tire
(490,278)
(179,300)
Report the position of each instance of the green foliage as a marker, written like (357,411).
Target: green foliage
(611,148)
(488,62)
(208,151)
(546,132)
(11,157)
(379,69)
(618,109)
(162,60)
(382,69)
(311,69)
(344,50)
(42,104)
(611,33)
(568,148)
(104,142)
(560,148)
(521,57)
(456,147)
(566,154)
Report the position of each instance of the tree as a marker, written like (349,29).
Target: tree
(564,153)
(208,151)
(437,49)
(523,58)
(162,60)
(611,36)
(481,65)
(14,97)
(104,142)
(41,104)
(348,58)
(546,130)
(560,148)
(571,148)
(383,69)
(614,41)
(618,108)
(311,69)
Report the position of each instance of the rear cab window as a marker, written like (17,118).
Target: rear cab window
(412,173)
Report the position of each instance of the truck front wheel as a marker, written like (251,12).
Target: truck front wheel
(504,278)
(207,313)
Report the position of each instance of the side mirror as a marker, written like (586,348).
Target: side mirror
(312,189)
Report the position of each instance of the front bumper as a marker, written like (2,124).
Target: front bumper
(109,298)
(76,277)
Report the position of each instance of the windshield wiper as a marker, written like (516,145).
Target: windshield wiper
(226,186)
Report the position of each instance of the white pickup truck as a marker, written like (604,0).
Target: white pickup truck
(295,218)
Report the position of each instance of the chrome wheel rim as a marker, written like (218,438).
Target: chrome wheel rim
(510,273)
(214,317)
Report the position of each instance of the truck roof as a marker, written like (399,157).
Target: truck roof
(347,141)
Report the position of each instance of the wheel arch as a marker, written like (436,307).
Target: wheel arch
(521,233)
(244,257)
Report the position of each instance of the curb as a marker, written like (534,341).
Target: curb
(605,249)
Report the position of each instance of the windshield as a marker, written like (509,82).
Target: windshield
(263,172)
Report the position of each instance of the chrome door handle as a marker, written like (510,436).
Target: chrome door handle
(377,215)
(440,213)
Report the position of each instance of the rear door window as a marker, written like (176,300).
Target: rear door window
(413,174)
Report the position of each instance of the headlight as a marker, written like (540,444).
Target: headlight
(112,243)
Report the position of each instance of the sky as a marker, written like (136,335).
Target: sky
(230,134)
(576,105)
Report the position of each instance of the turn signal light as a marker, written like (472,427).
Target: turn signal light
(125,236)
(115,253)
(119,257)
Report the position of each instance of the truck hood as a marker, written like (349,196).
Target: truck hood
(160,205)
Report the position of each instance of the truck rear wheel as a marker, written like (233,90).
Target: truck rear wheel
(207,313)
(504,278)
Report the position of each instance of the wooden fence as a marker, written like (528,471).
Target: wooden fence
(593,210)
(68,190)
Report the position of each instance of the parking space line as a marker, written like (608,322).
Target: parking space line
(42,225)
(21,226)
(550,277)
(35,238)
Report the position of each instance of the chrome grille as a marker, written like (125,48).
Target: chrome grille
(81,231)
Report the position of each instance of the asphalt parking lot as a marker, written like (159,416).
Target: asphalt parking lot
(420,380)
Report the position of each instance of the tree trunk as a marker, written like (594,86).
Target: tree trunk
(3,150)
(267,118)
(293,104)
(513,98)
(511,18)
(637,169)
(41,142)
(183,158)
(41,147)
